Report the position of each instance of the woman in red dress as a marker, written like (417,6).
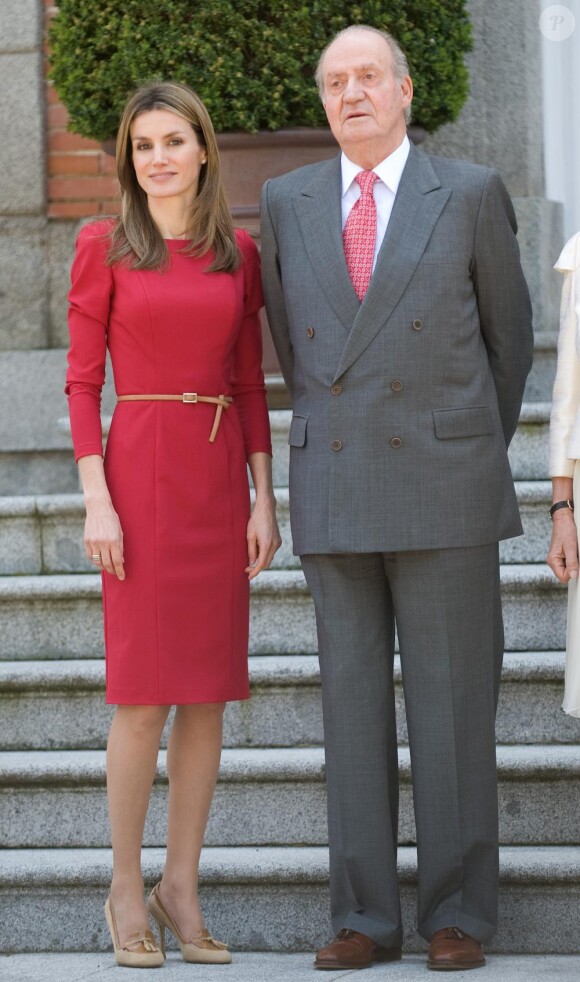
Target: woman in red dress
(173,292)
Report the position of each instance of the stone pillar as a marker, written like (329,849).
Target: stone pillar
(23,226)
(501,126)
(561,57)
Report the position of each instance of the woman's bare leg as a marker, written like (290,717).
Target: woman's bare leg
(132,752)
(193,757)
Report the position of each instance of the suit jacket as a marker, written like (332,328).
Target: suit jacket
(404,404)
(565,419)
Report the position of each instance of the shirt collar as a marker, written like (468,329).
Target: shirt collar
(390,170)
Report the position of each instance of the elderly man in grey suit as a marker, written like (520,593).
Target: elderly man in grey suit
(402,322)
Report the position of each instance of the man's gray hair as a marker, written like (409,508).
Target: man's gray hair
(400,63)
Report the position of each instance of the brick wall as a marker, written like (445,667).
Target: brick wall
(81,177)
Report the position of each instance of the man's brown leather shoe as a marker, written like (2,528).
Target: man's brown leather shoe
(349,949)
(451,950)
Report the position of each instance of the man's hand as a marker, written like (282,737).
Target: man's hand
(562,555)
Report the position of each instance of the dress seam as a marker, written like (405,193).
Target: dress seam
(232,585)
(155,552)
(105,632)
(155,488)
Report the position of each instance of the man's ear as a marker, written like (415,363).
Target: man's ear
(407,90)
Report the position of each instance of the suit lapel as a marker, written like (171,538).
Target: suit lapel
(419,202)
(319,215)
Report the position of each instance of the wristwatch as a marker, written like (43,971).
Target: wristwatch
(568,503)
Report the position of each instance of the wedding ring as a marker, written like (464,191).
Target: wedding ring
(96,558)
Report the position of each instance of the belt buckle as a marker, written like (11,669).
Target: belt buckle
(189,397)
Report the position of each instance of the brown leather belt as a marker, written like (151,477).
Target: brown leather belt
(222,402)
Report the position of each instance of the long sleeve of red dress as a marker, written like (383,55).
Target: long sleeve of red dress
(89,304)
(248,386)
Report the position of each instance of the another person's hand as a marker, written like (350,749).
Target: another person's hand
(562,555)
(263,536)
(104,538)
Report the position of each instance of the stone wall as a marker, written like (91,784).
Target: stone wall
(23,226)
(81,183)
(501,122)
(501,126)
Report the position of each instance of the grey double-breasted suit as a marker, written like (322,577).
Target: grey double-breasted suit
(428,371)
(400,488)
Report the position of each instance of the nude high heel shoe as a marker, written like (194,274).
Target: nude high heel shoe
(204,948)
(140,951)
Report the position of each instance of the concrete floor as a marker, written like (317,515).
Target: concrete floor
(272,967)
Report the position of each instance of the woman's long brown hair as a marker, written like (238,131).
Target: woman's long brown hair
(135,238)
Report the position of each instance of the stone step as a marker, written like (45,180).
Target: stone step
(51,616)
(534,499)
(57,799)
(541,378)
(35,443)
(32,400)
(48,705)
(38,460)
(35,455)
(538,386)
(37,472)
(270,898)
(528,451)
(61,704)
(60,615)
(44,533)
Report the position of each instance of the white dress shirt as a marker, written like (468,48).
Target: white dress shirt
(389,172)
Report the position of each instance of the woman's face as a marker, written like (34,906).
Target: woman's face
(167,156)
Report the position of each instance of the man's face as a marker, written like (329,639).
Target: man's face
(364,102)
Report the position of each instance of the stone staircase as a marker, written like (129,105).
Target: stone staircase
(264,868)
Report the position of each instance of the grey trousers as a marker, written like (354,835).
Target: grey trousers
(447,607)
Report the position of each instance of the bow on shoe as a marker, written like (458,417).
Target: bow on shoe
(206,938)
(147,943)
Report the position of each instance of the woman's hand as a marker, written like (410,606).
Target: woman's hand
(104,538)
(263,536)
(103,532)
(562,555)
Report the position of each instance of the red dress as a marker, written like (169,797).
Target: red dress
(176,629)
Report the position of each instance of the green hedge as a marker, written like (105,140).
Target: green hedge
(252,62)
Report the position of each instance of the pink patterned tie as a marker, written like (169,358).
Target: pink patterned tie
(360,233)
